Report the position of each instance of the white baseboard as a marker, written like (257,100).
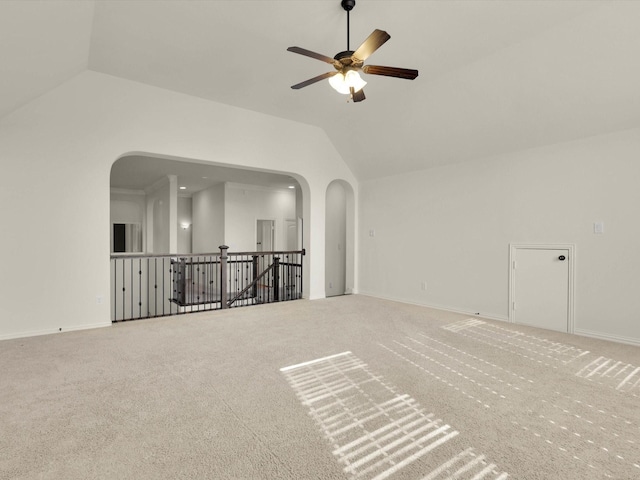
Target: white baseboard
(607,336)
(490,316)
(501,318)
(316,297)
(49,331)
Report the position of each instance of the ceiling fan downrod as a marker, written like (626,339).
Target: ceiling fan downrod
(348,6)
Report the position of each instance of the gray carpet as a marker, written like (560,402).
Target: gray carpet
(348,387)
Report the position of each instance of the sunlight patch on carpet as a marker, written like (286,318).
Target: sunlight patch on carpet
(624,377)
(376,431)
(539,349)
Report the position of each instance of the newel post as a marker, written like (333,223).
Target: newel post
(255,275)
(223,276)
(276,279)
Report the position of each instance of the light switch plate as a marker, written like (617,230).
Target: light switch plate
(598,227)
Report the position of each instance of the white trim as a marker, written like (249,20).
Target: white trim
(49,331)
(490,316)
(571,247)
(608,336)
(501,318)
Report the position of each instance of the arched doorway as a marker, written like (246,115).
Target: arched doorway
(339,239)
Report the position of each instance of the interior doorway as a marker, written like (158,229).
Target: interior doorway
(541,286)
(265,235)
(335,240)
(291,235)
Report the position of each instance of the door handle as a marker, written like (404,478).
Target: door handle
(562,258)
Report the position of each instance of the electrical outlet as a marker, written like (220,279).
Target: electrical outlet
(330,284)
(423,286)
(99,299)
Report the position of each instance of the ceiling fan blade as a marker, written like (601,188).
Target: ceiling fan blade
(306,83)
(309,53)
(371,44)
(406,73)
(357,96)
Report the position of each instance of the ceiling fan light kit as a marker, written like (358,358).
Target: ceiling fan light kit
(343,83)
(346,79)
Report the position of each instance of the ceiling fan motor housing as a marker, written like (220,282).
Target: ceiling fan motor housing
(347,60)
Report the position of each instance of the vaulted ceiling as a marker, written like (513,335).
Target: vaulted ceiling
(495,76)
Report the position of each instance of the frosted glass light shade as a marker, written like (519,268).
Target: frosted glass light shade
(342,82)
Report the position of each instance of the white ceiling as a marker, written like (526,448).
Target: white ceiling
(495,76)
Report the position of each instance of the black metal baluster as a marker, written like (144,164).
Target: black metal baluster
(287,276)
(131,288)
(247,278)
(276,279)
(211,282)
(238,278)
(207,283)
(263,282)
(139,288)
(124,302)
(155,287)
(223,277)
(148,293)
(115,290)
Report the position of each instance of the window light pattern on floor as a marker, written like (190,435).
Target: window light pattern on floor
(621,376)
(593,429)
(376,431)
(624,377)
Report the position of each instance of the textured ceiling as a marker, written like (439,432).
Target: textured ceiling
(495,76)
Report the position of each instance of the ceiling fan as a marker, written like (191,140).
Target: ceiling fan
(346,79)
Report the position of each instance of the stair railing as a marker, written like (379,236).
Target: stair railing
(147,286)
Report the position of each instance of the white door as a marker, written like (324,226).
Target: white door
(264,235)
(541,287)
(292,234)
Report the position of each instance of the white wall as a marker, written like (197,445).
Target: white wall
(127,207)
(158,223)
(452,226)
(71,136)
(208,219)
(245,204)
(184,218)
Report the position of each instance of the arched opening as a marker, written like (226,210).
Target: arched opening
(185,210)
(186,206)
(339,239)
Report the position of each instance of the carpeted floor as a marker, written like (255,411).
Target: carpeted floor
(347,387)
